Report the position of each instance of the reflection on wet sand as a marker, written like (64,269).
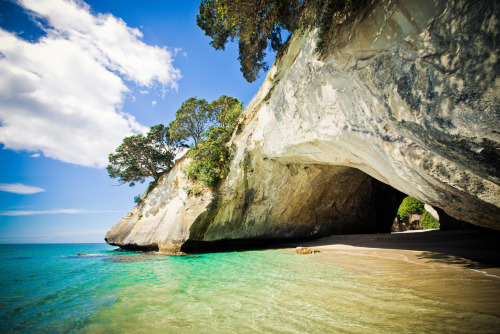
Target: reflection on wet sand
(425,263)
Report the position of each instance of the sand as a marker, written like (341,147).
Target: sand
(461,267)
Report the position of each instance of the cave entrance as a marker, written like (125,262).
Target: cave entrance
(413,214)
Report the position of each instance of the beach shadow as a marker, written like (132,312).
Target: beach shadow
(448,259)
(458,247)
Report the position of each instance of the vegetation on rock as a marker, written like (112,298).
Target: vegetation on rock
(412,206)
(211,155)
(137,199)
(409,206)
(429,222)
(210,159)
(259,25)
(191,120)
(208,125)
(141,156)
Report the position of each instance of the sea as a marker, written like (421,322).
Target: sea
(49,288)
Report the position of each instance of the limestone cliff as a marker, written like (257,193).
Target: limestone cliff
(409,96)
(162,219)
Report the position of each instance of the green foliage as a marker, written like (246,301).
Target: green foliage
(225,111)
(429,222)
(137,199)
(211,156)
(256,24)
(191,120)
(141,156)
(210,159)
(408,207)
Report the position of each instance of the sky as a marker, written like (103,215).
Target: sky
(75,79)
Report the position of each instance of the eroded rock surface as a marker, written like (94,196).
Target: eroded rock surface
(409,97)
(163,218)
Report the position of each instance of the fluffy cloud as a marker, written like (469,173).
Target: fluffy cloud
(63,94)
(18,188)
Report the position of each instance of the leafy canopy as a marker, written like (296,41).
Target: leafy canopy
(409,206)
(210,158)
(141,156)
(225,111)
(257,24)
(191,120)
(429,222)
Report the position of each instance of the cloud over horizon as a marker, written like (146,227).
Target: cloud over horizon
(18,188)
(51,212)
(62,95)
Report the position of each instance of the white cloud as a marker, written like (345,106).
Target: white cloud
(177,50)
(153,103)
(35,155)
(51,212)
(18,188)
(63,94)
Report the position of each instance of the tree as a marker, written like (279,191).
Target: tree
(141,156)
(225,110)
(191,120)
(210,159)
(257,24)
(409,206)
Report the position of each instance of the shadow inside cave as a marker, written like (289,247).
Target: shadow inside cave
(459,247)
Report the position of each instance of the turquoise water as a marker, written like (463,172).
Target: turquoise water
(48,289)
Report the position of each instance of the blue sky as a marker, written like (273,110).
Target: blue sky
(77,77)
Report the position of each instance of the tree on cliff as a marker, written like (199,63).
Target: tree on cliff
(210,157)
(225,111)
(211,160)
(258,25)
(191,120)
(141,156)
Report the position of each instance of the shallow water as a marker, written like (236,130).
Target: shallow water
(47,289)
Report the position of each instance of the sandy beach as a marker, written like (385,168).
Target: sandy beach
(462,267)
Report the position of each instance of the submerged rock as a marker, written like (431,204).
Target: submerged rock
(407,102)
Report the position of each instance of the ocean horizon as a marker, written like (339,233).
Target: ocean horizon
(49,288)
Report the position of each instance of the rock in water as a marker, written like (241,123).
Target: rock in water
(305,251)
(408,100)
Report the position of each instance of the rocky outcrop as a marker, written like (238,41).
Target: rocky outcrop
(162,219)
(409,96)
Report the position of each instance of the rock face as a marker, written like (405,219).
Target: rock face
(162,220)
(409,98)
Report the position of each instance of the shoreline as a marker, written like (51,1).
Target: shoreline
(461,267)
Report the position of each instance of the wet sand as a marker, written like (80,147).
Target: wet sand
(461,267)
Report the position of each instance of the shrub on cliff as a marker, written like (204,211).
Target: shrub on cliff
(210,159)
(409,206)
(429,222)
(210,154)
